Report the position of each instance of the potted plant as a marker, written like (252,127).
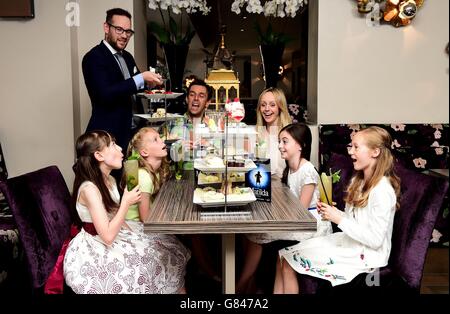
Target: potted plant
(272,43)
(271,47)
(174,40)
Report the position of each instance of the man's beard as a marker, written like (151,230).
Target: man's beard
(112,43)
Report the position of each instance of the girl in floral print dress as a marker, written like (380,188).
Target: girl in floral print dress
(365,241)
(106,256)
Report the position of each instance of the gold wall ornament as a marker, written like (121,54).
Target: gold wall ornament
(396,12)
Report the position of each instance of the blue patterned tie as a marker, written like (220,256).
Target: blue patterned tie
(137,107)
(123,65)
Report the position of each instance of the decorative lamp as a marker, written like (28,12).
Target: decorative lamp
(225,85)
(222,78)
(396,12)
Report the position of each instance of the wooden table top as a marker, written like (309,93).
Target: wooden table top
(174,212)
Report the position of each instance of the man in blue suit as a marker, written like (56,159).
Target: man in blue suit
(112,78)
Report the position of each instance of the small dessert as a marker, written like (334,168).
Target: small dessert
(208,178)
(237,177)
(214,161)
(235,110)
(212,196)
(160,91)
(160,113)
(231,163)
(239,161)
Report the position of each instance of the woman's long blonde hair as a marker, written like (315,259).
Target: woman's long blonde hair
(357,193)
(280,100)
(163,171)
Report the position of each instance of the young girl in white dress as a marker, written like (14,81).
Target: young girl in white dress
(106,256)
(302,179)
(365,241)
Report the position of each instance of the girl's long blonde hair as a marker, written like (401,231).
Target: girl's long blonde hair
(280,100)
(357,193)
(163,171)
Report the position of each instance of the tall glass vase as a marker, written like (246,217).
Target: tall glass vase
(271,56)
(176,56)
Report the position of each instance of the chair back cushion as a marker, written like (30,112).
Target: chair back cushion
(41,205)
(3,171)
(420,201)
(417,146)
(5,212)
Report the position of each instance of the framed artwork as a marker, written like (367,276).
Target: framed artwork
(17,8)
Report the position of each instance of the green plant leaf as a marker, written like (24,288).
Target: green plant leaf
(335,176)
(173,27)
(189,35)
(269,30)
(160,32)
(445,213)
(271,37)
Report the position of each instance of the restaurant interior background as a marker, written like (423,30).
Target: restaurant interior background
(355,73)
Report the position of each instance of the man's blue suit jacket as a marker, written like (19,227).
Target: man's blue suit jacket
(110,93)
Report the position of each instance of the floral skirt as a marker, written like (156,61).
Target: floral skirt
(327,258)
(133,263)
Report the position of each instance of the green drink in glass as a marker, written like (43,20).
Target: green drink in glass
(131,168)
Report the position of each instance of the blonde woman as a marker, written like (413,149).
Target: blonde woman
(271,116)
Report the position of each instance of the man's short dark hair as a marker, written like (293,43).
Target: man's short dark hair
(116,11)
(201,83)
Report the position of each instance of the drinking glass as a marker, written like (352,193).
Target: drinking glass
(131,168)
(261,149)
(238,112)
(179,170)
(214,122)
(325,189)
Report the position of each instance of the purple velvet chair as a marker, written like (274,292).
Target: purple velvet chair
(41,205)
(420,202)
(10,248)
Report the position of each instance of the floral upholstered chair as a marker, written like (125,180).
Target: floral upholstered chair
(416,146)
(298,112)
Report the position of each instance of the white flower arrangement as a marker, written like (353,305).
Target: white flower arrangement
(171,31)
(274,8)
(191,6)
